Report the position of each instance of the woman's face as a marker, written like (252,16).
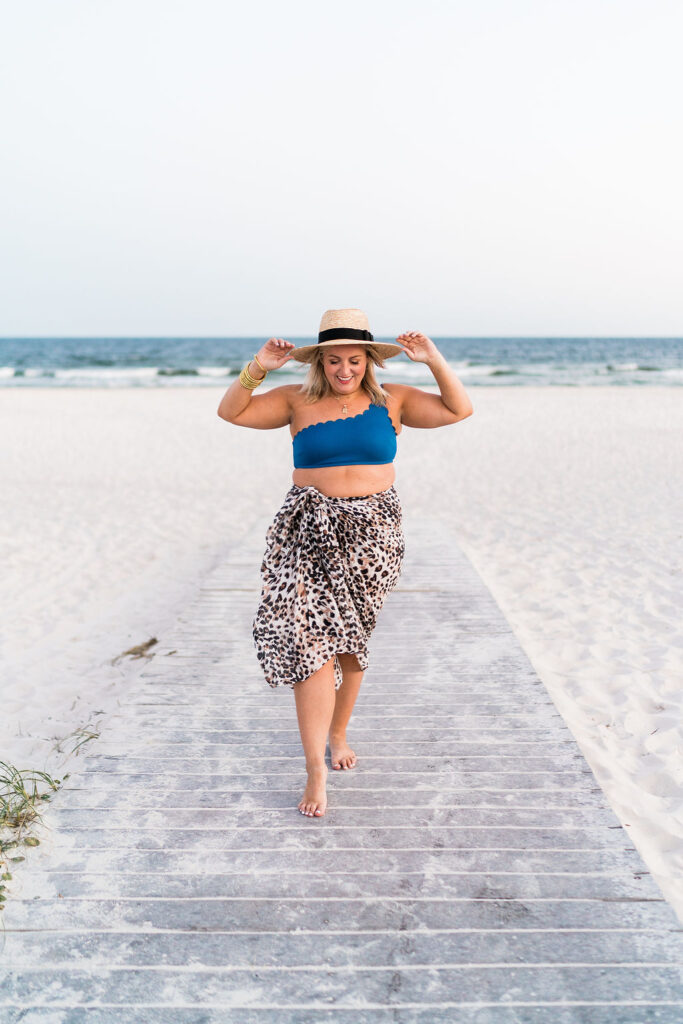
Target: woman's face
(344,367)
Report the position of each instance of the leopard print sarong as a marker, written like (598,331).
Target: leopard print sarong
(328,566)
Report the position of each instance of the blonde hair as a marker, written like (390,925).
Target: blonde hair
(317,386)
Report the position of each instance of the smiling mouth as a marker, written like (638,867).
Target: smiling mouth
(344,379)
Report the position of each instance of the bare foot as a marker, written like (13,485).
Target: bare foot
(314,801)
(341,754)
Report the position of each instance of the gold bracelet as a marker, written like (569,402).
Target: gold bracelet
(259,366)
(247,381)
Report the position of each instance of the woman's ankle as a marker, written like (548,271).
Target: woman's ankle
(312,766)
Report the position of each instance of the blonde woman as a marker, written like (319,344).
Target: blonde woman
(335,548)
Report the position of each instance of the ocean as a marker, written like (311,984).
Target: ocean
(481,362)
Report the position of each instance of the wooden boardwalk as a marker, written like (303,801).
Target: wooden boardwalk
(467,870)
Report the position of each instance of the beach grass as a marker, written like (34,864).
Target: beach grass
(82,734)
(22,793)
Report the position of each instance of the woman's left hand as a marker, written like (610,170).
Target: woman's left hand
(417,346)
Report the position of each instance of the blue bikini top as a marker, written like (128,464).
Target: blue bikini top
(368,439)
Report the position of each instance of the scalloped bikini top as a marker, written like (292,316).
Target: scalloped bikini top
(367,439)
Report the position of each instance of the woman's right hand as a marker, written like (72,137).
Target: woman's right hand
(275,353)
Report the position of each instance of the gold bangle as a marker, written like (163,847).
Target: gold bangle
(259,366)
(247,381)
(259,379)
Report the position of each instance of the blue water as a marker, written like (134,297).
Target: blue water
(179,362)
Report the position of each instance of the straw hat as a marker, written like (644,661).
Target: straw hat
(344,327)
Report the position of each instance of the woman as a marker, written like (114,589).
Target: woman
(334,550)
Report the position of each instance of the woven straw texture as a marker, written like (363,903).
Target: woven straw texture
(354,319)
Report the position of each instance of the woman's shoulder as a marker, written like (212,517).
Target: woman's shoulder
(290,392)
(396,392)
(298,397)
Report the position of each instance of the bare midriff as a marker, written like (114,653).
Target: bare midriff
(346,481)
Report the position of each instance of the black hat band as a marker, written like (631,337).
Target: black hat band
(344,332)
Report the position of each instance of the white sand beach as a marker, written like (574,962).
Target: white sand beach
(567,501)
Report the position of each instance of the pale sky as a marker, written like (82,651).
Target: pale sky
(461,167)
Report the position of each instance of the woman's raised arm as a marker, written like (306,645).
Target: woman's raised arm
(264,412)
(421,408)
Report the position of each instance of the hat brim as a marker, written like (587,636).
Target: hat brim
(384,351)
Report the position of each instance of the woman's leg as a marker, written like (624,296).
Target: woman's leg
(341,754)
(315,702)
